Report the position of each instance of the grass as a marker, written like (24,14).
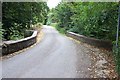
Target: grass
(61,30)
(53,24)
(116,52)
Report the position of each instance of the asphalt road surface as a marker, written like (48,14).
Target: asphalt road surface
(55,56)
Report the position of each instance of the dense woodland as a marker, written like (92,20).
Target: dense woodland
(93,19)
(18,16)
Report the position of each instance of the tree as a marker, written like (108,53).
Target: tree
(93,19)
(17,17)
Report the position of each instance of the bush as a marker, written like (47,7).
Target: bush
(93,19)
(117,58)
(1,31)
(53,24)
(116,53)
(18,16)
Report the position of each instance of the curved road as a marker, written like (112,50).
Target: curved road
(55,56)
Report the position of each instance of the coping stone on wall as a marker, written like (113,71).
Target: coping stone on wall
(92,41)
(9,47)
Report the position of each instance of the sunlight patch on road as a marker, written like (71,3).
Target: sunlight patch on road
(73,39)
(40,36)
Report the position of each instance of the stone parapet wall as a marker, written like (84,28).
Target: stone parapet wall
(13,46)
(92,41)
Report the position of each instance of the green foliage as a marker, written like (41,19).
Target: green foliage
(63,14)
(92,19)
(53,24)
(1,31)
(18,16)
(116,54)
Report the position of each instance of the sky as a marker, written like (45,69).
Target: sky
(52,3)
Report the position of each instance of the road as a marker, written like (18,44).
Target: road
(55,56)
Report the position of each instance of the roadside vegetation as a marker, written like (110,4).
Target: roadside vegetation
(93,19)
(17,17)
(116,52)
(1,31)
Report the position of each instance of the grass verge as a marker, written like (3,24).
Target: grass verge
(116,54)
